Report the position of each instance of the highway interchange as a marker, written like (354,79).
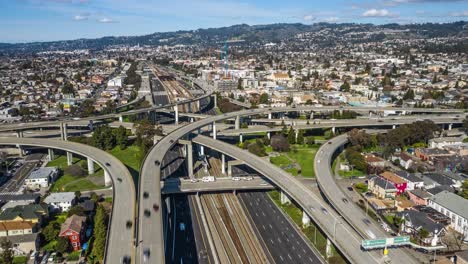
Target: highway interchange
(150,235)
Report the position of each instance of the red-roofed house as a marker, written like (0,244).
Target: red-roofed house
(399,183)
(74,228)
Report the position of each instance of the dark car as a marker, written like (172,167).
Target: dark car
(344,200)
(350,188)
(119,179)
(126,260)
(155,207)
(107,164)
(128,224)
(171,141)
(145,195)
(329,142)
(157,162)
(147,213)
(366,221)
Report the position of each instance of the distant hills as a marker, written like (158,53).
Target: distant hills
(257,34)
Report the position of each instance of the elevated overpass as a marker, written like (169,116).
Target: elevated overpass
(173,186)
(119,238)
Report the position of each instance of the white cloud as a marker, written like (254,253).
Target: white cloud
(460,14)
(309,18)
(106,20)
(80,17)
(331,19)
(377,13)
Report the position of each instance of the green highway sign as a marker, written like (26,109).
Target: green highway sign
(385,242)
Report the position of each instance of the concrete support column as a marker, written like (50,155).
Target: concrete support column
(333,130)
(237,123)
(394,126)
(51,155)
(284,198)
(370,113)
(65,132)
(190,160)
(223,164)
(269,115)
(202,150)
(296,133)
(240,138)
(341,111)
(107,178)
(90,125)
(90,166)
(305,219)
(450,126)
(69,158)
(189,107)
(214,130)
(176,114)
(215,101)
(329,251)
(191,120)
(20,150)
(19,134)
(311,115)
(61,130)
(121,119)
(269,135)
(229,170)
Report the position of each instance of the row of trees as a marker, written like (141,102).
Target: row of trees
(132,77)
(105,137)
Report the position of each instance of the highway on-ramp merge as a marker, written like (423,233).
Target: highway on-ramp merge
(120,239)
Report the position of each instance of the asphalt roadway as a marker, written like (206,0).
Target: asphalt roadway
(119,238)
(351,212)
(281,238)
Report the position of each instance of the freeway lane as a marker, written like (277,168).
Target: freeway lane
(351,212)
(119,238)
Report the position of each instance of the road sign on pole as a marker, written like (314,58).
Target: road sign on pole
(385,242)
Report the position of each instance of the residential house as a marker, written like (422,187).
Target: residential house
(427,154)
(41,177)
(453,206)
(415,221)
(442,142)
(396,180)
(16,228)
(74,228)
(382,188)
(405,160)
(419,196)
(61,201)
(34,213)
(24,244)
(412,179)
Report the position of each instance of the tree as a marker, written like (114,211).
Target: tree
(257,148)
(345,87)
(300,137)
(279,143)
(87,108)
(77,195)
(121,137)
(76,210)
(6,256)
(51,231)
(359,138)
(464,189)
(310,141)
(264,98)
(68,88)
(239,84)
(63,245)
(453,240)
(355,158)
(94,197)
(100,233)
(291,136)
(409,95)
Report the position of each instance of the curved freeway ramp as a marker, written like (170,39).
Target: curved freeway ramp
(351,212)
(119,238)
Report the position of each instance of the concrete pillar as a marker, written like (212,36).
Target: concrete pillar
(214,130)
(341,111)
(189,107)
(329,252)
(215,101)
(121,119)
(269,135)
(176,114)
(65,132)
(90,166)
(229,170)
(61,130)
(202,150)
(370,113)
(90,125)
(269,115)
(191,120)
(19,134)
(237,123)
(394,126)
(450,126)
(284,198)
(69,158)
(333,130)
(305,219)
(311,115)
(190,160)
(296,133)
(107,178)
(240,138)
(223,164)
(51,156)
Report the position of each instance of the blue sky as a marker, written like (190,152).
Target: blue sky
(44,20)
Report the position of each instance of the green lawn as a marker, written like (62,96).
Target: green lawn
(348,174)
(131,157)
(20,260)
(304,157)
(61,161)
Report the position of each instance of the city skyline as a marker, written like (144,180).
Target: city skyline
(73,19)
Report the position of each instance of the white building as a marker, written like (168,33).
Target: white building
(453,206)
(41,178)
(61,201)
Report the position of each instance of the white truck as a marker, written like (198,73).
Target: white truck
(208,179)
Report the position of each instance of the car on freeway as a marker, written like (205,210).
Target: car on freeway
(344,200)
(366,221)
(324,210)
(147,213)
(329,142)
(350,188)
(235,179)
(128,224)
(157,162)
(146,254)
(182,227)
(108,164)
(193,180)
(125,260)
(155,207)
(248,178)
(145,195)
